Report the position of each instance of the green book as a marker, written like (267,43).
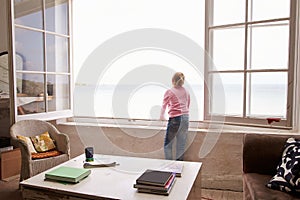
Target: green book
(67,174)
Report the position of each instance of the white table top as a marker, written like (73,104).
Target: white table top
(117,182)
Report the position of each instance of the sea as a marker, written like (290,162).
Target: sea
(144,102)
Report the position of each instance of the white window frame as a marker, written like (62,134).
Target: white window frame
(244,120)
(47,115)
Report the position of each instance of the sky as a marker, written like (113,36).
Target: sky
(100,21)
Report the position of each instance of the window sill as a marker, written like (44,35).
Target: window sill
(47,116)
(161,125)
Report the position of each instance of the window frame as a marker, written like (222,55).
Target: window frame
(45,115)
(287,123)
(293,115)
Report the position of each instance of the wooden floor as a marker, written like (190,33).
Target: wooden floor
(209,194)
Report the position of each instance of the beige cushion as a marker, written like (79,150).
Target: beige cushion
(43,142)
(27,140)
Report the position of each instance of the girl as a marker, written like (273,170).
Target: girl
(177,99)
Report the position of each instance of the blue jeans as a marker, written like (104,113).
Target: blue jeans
(177,128)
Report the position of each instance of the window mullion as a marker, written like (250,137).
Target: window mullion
(70,49)
(45,57)
(208,49)
(248,22)
(245,61)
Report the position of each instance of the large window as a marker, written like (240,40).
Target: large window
(125,53)
(249,59)
(250,74)
(42,58)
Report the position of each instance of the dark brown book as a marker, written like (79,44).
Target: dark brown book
(154,177)
(155,191)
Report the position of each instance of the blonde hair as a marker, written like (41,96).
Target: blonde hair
(178,79)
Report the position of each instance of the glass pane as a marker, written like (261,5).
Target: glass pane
(57,16)
(4,74)
(29,13)
(57,53)
(228,12)
(269,51)
(132,16)
(30,96)
(228,48)
(5,111)
(270,9)
(58,89)
(29,45)
(227,94)
(267,94)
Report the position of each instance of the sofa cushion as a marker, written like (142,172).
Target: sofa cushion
(287,177)
(262,153)
(254,188)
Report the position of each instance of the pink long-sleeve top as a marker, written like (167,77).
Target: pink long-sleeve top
(177,99)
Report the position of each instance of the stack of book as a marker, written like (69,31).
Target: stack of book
(155,182)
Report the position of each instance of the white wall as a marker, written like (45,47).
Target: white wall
(3,26)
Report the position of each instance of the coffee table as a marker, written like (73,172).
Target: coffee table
(110,182)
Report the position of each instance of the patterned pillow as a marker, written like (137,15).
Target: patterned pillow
(287,176)
(43,142)
(28,142)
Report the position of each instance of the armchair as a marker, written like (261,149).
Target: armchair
(28,128)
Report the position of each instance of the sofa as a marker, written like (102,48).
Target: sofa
(261,155)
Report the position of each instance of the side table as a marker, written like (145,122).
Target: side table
(10,163)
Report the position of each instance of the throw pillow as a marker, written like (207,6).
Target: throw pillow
(43,142)
(28,142)
(287,176)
